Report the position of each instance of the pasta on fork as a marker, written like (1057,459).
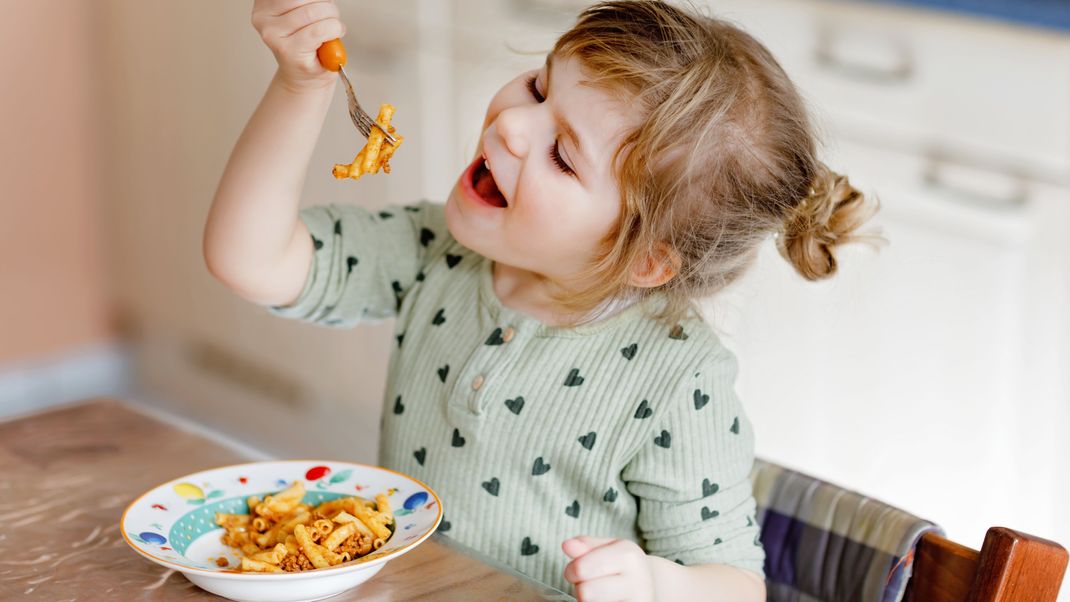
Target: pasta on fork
(376,153)
(281,533)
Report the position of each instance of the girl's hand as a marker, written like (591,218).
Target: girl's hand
(608,569)
(293,30)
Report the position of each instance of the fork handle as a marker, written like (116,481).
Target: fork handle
(332,54)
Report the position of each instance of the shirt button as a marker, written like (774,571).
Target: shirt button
(478,382)
(508,334)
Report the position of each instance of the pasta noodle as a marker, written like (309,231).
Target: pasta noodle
(376,153)
(280,533)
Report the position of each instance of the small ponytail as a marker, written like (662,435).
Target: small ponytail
(828,217)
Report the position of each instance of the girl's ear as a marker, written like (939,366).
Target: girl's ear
(655,268)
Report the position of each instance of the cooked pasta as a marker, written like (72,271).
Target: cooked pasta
(280,533)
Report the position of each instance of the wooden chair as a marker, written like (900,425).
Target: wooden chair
(1011,567)
(824,542)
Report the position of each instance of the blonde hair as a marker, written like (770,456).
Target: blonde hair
(724,157)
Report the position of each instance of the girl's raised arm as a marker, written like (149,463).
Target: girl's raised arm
(253,240)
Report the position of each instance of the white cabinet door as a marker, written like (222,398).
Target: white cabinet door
(904,376)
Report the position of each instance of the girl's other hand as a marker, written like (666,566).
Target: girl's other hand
(608,569)
(293,30)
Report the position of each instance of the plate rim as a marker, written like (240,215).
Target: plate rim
(297,575)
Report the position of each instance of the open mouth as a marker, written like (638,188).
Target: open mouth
(485,187)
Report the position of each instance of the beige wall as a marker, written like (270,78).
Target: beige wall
(53,283)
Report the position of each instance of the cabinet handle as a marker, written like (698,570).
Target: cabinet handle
(938,176)
(900,70)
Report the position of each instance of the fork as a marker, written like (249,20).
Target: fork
(332,55)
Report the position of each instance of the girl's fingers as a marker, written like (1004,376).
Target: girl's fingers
(293,21)
(613,559)
(596,542)
(309,38)
(274,8)
(606,589)
(578,546)
(267,13)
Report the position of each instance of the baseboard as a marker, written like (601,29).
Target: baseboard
(162,410)
(96,371)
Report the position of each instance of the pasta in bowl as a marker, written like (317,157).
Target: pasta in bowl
(282,531)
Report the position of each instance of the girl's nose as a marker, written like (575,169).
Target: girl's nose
(513,128)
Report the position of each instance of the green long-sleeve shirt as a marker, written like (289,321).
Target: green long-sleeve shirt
(532,434)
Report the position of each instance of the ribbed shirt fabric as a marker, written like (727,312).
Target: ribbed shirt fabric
(532,434)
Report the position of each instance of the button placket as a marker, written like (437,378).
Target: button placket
(485,364)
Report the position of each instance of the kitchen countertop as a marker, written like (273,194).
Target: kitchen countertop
(69,473)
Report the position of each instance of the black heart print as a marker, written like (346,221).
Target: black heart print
(573,379)
(351,262)
(539,467)
(663,440)
(678,333)
(412,208)
(527,548)
(643,411)
(495,338)
(398,406)
(420,454)
(420,276)
(444,525)
(492,486)
(386,214)
(440,317)
(629,351)
(400,337)
(574,509)
(443,371)
(701,399)
(452,260)
(708,514)
(679,562)
(587,441)
(735,426)
(397,294)
(458,440)
(709,488)
(426,236)
(515,405)
(317,243)
(338,227)
(610,495)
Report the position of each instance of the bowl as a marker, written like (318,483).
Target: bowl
(173,524)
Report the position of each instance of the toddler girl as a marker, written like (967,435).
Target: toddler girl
(551,377)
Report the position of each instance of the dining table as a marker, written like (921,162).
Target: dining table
(68,473)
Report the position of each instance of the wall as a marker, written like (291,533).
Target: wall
(53,275)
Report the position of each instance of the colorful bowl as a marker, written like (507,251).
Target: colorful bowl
(173,524)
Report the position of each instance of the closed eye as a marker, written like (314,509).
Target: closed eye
(555,156)
(534,89)
(555,152)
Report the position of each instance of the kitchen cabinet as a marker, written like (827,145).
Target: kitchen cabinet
(930,374)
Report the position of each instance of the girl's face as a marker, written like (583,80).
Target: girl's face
(550,194)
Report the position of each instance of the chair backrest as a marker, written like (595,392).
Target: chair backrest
(825,543)
(1011,566)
